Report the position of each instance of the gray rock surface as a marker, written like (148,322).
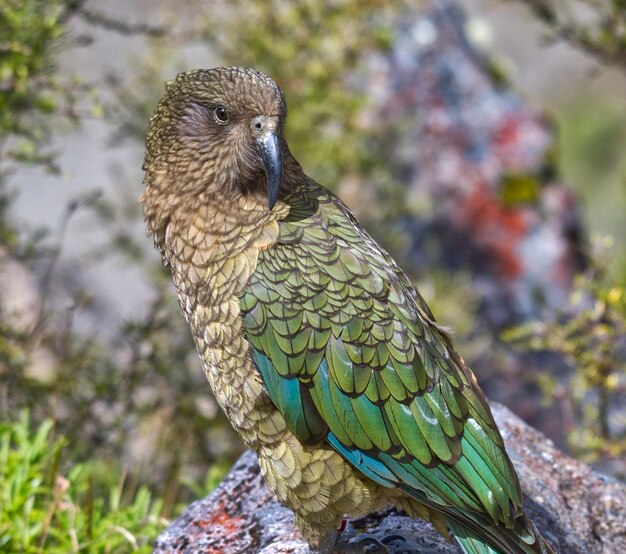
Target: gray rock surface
(578,510)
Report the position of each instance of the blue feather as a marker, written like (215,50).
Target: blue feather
(371,467)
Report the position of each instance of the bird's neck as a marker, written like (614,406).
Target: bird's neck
(216,213)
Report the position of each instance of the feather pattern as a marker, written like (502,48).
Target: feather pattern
(350,353)
(374,376)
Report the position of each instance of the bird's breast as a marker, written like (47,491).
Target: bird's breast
(212,264)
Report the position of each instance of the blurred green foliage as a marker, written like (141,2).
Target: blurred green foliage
(591,336)
(595,26)
(49,506)
(591,145)
(28,30)
(31,90)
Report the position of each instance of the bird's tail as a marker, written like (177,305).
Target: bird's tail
(525,539)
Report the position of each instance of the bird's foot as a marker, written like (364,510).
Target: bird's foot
(366,545)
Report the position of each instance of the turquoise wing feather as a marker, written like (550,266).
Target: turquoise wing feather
(350,354)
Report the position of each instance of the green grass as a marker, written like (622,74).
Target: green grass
(48,507)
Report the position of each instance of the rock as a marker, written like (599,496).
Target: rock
(578,510)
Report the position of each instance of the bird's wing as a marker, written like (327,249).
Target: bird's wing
(350,354)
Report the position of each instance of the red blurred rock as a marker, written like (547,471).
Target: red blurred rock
(479,159)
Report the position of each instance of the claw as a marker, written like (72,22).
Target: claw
(390,538)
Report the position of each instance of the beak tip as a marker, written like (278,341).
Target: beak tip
(272,162)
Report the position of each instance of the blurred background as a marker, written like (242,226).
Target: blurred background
(481,142)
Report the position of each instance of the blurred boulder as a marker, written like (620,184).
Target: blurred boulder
(477,164)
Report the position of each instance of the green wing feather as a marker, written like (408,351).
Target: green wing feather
(350,353)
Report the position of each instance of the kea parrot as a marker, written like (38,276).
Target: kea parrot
(323,356)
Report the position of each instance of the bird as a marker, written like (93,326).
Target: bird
(318,348)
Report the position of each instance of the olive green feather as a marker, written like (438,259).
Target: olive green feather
(374,369)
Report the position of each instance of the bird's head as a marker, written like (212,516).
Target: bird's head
(217,133)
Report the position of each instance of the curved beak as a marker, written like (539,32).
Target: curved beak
(272,162)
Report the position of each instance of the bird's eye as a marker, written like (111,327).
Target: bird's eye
(221,115)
